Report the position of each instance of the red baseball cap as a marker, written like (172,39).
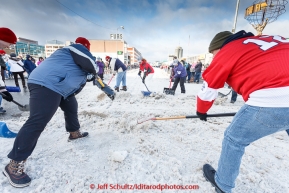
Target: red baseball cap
(7,35)
(2,52)
(107,58)
(83,41)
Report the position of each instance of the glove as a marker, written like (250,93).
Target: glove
(139,73)
(8,96)
(90,77)
(202,116)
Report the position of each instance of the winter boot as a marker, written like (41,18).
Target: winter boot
(209,174)
(124,88)
(2,110)
(15,174)
(76,135)
(117,89)
(23,84)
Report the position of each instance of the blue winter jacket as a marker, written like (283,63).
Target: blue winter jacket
(117,65)
(180,71)
(65,70)
(29,65)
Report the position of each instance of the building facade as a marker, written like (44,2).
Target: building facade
(134,55)
(206,59)
(25,47)
(53,45)
(113,48)
(179,52)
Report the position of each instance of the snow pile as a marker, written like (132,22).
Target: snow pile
(119,156)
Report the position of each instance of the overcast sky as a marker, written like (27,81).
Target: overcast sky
(154,27)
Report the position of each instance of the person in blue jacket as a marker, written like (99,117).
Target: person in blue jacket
(29,65)
(180,75)
(51,85)
(120,69)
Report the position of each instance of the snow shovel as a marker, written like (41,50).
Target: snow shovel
(5,132)
(169,90)
(145,93)
(223,95)
(110,79)
(183,117)
(105,88)
(20,107)
(13,89)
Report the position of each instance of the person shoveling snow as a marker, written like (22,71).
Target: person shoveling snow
(51,85)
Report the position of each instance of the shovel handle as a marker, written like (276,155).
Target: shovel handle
(18,104)
(110,79)
(213,115)
(144,83)
(13,101)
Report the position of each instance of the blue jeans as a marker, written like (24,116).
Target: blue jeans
(249,124)
(120,77)
(197,77)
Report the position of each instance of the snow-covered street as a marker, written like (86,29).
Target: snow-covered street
(120,151)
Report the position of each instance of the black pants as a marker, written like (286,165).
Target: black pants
(182,84)
(15,74)
(101,76)
(43,105)
(3,73)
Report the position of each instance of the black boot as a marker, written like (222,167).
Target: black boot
(77,135)
(209,174)
(117,89)
(124,88)
(23,84)
(15,174)
(2,110)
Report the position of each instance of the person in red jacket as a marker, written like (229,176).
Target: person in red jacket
(256,67)
(145,67)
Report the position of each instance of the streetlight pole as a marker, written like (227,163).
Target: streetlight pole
(116,39)
(236,14)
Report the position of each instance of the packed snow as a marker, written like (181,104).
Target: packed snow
(120,151)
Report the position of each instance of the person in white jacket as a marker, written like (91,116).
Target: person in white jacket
(17,68)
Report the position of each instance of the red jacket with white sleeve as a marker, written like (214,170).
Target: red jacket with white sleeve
(146,67)
(256,67)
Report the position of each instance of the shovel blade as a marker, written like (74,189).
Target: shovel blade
(221,94)
(5,132)
(146,93)
(13,89)
(24,108)
(169,91)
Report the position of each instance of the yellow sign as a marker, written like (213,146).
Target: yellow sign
(255,8)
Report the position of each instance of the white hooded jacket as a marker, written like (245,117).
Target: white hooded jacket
(14,67)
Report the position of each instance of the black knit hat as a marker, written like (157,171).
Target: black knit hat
(218,40)
(12,55)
